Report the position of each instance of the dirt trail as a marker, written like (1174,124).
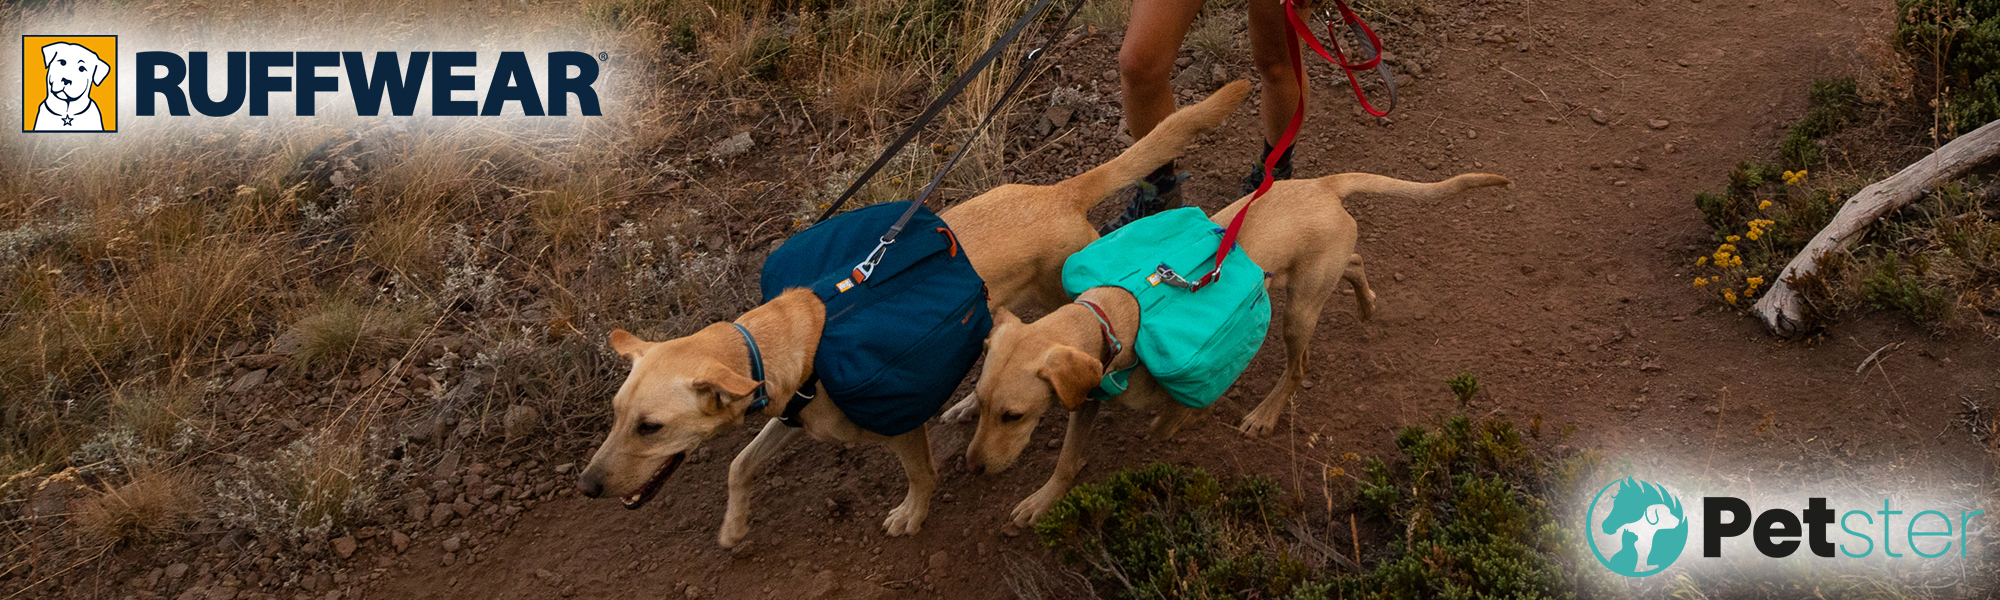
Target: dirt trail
(1567,294)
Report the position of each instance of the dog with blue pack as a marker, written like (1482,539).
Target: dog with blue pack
(1168,312)
(871,320)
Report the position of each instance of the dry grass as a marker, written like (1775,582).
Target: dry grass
(150,506)
(342,333)
(133,271)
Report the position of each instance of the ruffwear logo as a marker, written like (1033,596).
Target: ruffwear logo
(1644,528)
(69,83)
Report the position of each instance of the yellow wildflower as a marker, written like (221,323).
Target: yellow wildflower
(1701,261)
(1701,282)
(1732,239)
(1736,261)
(1754,234)
(1763,205)
(1754,281)
(1729,296)
(1726,248)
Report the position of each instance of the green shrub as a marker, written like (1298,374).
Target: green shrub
(1471,511)
(1961,38)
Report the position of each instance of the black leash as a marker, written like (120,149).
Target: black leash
(937,106)
(867,267)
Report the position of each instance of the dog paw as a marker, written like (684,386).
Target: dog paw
(905,520)
(964,412)
(733,531)
(1031,509)
(1259,425)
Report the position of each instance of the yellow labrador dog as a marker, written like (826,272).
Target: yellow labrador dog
(683,392)
(1299,233)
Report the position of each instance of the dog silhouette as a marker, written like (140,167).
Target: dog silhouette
(1657,518)
(73,71)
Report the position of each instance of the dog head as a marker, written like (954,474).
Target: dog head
(73,70)
(1026,372)
(679,394)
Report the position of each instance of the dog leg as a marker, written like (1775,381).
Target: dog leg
(1170,420)
(736,522)
(915,450)
(1364,298)
(964,412)
(1305,297)
(1068,464)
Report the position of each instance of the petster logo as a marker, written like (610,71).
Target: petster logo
(1639,530)
(69,83)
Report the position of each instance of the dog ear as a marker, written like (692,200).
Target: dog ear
(628,345)
(49,54)
(1072,373)
(715,377)
(98,70)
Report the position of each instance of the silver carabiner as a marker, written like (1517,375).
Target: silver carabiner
(867,267)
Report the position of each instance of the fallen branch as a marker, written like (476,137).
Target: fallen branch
(1782,309)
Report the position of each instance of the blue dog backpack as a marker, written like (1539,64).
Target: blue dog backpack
(897,342)
(1195,342)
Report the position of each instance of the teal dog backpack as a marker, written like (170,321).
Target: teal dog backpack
(904,320)
(1194,337)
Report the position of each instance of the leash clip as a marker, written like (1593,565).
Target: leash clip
(867,267)
(1169,277)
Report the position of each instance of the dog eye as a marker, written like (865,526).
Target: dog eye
(62,62)
(648,428)
(1010,417)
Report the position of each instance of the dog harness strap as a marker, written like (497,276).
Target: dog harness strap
(798,403)
(1112,347)
(760,398)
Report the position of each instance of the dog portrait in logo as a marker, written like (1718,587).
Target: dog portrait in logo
(73,71)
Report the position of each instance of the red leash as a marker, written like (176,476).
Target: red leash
(1300,31)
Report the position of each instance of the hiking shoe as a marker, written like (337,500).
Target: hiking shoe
(1150,199)
(1256,177)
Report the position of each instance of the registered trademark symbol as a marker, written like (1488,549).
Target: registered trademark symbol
(605,56)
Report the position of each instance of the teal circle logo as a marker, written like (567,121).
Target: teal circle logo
(1643,528)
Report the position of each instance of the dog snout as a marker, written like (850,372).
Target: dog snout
(65,81)
(589,484)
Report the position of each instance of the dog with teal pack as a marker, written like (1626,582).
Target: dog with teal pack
(1136,336)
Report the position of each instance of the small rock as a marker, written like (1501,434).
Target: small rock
(440,514)
(1053,443)
(1651,367)
(939,561)
(1218,74)
(823,585)
(259,361)
(399,541)
(1597,116)
(237,349)
(1658,123)
(1192,78)
(1059,116)
(521,421)
(452,544)
(249,381)
(733,146)
(565,467)
(176,570)
(1432,165)
(447,466)
(693,592)
(344,546)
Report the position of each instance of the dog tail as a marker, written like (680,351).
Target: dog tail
(1158,147)
(1366,183)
